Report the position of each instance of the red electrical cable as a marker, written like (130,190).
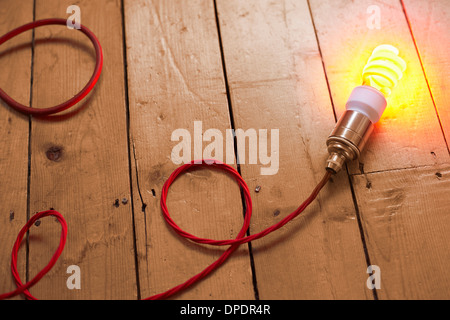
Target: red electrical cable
(240,239)
(234,244)
(23,288)
(75,99)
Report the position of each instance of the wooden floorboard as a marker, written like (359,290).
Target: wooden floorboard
(176,81)
(277,83)
(430,24)
(79,164)
(175,69)
(14,133)
(405,216)
(409,133)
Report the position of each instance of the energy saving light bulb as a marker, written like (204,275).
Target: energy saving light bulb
(384,69)
(365,106)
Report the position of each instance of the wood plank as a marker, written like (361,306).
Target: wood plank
(397,206)
(405,218)
(15,63)
(430,24)
(80,164)
(175,77)
(409,133)
(277,82)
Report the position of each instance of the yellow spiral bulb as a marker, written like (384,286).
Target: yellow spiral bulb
(384,69)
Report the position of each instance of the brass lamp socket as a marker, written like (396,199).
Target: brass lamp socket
(348,139)
(364,107)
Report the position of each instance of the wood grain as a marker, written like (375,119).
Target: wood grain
(80,162)
(409,134)
(175,77)
(405,217)
(290,66)
(395,205)
(15,66)
(430,25)
(277,82)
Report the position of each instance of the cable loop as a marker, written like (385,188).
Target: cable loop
(234,244)
(75,99)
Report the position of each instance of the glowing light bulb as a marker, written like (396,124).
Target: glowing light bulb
(365,106)
(384,69)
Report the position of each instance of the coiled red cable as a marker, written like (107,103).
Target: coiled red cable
(75,99)
(234,244)
(240,238)
(23,288)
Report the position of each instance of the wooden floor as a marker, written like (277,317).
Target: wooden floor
(286,65)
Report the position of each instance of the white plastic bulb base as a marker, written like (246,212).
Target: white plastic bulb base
(368,101)
(364,108)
